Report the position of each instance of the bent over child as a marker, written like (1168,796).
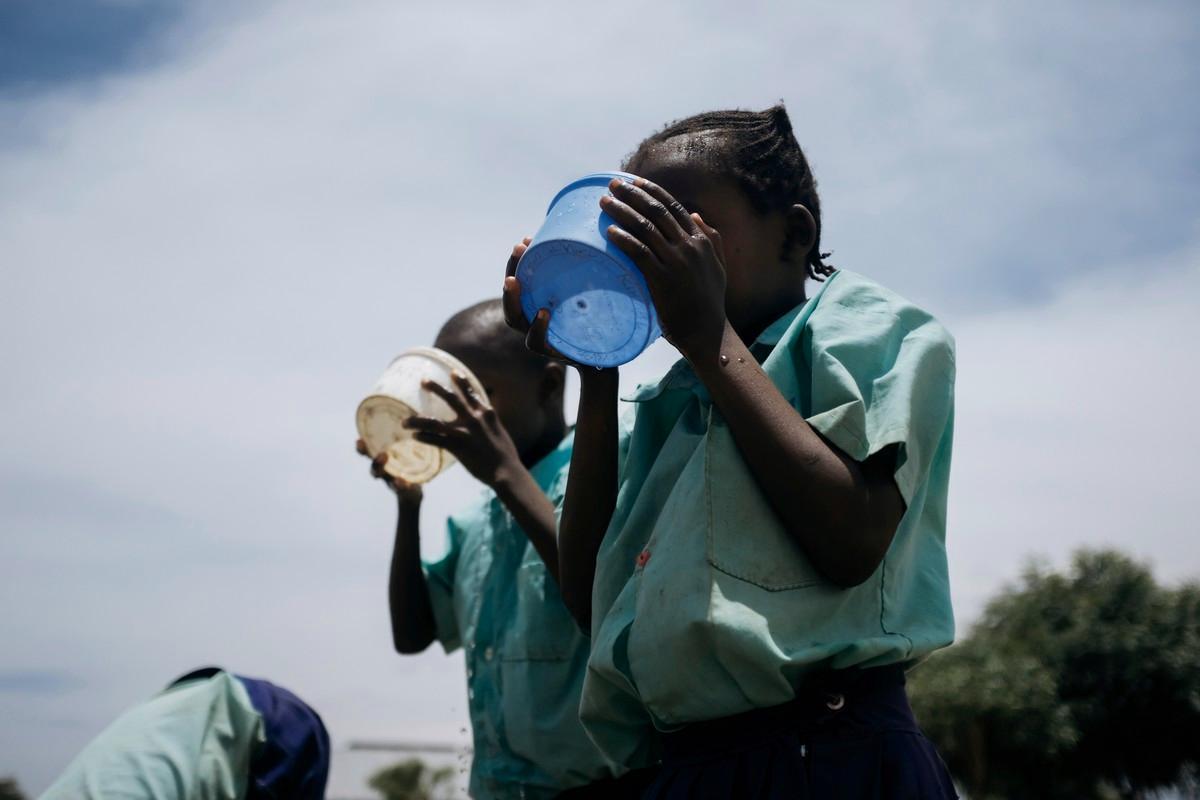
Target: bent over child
(210,734)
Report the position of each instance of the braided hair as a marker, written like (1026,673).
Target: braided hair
(759,150)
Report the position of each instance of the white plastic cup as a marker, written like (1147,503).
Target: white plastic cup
(399,395)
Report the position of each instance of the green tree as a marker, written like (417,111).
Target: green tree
(1082,684)
(9,790)
(414,780)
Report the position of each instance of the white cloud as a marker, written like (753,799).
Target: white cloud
(206,264)
(1075,428)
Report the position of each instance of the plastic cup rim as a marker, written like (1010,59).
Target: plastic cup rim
(572,185)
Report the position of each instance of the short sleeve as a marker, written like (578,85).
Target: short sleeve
(882,373)
(439,578)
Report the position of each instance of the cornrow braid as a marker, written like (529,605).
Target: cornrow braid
(758,149)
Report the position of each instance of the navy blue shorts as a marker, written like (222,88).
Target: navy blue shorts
(849,735)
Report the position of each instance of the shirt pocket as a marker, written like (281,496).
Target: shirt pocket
(746,539)
(543,629)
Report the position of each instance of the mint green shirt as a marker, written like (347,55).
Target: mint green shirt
(703,605)
(525,655)
(193,741)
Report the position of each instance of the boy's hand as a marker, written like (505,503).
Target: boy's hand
(680,256)
(514,315)
(476,437)
(405,491)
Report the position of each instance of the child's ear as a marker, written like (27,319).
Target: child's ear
(801,234)
(554,383)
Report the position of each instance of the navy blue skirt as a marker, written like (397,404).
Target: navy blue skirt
(850,735)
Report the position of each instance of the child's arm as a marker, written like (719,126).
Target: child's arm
(591,491)
(413,626)
(592,486)
(842,512)
(479,441)
(534,512)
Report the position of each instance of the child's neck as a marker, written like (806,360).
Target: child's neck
(777,304)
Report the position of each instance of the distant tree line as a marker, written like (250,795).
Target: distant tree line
(1076,684)
(414,780)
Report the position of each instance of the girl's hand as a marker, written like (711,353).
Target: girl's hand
(514,315)
(476,437)
(407,492)
(681,257)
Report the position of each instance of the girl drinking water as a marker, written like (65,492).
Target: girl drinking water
(770,555)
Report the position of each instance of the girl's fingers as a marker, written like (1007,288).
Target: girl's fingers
(538,342)
(510,269)
(704,227)
(361,447)
(712,234)
(514,315)
(637,224)
(649,207)
(679,214)
(448,397)
(468,391)
(633,247)
(535,339)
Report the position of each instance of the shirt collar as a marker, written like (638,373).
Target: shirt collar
(681,376)
(775,331)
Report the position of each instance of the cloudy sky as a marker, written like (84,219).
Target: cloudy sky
(218,224)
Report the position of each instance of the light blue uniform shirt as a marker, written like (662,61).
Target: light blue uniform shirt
(704,606)
(525,655)
(194,741)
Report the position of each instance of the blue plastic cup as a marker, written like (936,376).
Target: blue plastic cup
(601,313)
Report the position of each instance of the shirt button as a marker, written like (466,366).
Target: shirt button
(642,558)
(488,653)
(470,694)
